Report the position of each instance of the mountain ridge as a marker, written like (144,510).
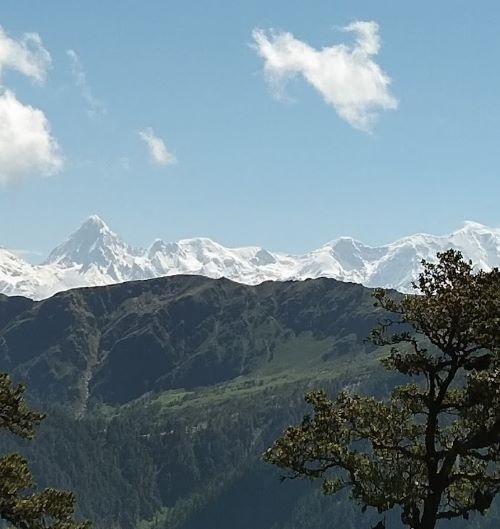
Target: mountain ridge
(115,343)
(94,255)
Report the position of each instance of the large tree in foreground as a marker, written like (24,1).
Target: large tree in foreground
(433,448)
(21,505)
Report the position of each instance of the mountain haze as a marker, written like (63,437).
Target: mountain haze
(94,255)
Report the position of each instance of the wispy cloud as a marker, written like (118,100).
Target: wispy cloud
(27,55)
(95,106)
(345,75)
(158,152)
(26,143)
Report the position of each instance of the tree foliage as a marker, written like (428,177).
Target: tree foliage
(432,448)
(20,504)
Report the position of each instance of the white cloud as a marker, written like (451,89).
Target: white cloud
(95,106)
(26,55)
(26,144)
(158,151)
(345,75)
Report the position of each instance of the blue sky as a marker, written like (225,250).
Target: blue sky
(246,160)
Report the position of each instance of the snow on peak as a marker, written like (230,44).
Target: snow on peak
(96,221)
(92,244)
(95,255)
(471,225)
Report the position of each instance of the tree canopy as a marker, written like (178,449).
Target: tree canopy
(21,504)
(432,448)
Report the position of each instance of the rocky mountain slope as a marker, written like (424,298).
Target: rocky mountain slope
(94,255)
(114,344)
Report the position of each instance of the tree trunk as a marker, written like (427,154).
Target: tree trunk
(429,516)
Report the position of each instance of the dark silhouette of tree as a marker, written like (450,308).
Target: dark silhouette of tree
(432,449)
(20,503)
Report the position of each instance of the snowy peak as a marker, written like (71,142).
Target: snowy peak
(471,225)
(161,247)
(95,255)
(12,268)
(352,254)
(206,257)
(92,244)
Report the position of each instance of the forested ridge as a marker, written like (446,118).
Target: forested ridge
(162,395)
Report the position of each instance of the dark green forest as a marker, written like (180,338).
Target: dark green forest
(162,395)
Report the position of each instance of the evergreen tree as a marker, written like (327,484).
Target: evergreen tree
(20,504)
(432,449)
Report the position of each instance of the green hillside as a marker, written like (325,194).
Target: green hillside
(114,344)
(163,394)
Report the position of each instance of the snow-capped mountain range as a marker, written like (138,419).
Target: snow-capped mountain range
(94,255)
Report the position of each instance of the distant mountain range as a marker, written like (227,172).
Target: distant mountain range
(94,255)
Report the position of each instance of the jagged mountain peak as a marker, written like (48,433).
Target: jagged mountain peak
(92,227)
(95,220)
(92,244)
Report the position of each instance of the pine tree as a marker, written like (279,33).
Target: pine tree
(20,503)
